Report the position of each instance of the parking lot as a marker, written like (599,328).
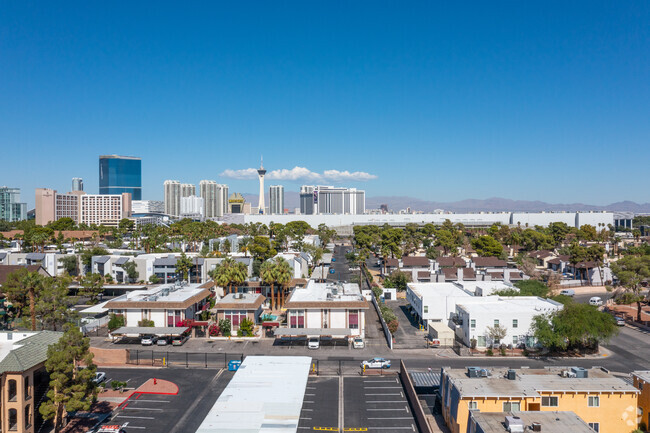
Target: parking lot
(372,404)
(198,389)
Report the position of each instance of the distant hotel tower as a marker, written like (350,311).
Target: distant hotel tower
(77,184)
(118,174)
(276,199)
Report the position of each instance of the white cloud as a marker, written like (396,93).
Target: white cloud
(302,174)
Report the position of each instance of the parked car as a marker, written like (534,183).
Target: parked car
(179,340)
(313,343)
(376,363)
(148,340)
(162,341)
(110,429)
(100,376)
(620,321)
(568,292)
(596,301)
(357,343)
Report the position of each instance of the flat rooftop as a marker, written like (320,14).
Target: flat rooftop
(533,382)
(532,304)
(488,287)
(551,422)
(642,374)
(265,395)
(437,289)
(164,296)
(240,300)
(327,293)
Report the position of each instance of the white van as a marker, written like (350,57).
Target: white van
(568,292)
(595,301)
(313,343)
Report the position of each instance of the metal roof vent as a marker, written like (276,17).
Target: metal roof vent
(536,426)
(514,424)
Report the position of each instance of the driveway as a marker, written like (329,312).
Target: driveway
(408,334)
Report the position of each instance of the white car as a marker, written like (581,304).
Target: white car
(148,340)
(358,343)
(596,301)
(376,363)
(100,376)
(313,343)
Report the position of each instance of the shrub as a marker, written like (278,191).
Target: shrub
(377,292)
(146,323)
(502,350)
(225,326)
(115,321)
(154,279)
(214,330)
(246,327)
(392,326)
(489,352)
(472,343)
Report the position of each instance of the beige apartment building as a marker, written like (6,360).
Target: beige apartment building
(82,208)
(23,378)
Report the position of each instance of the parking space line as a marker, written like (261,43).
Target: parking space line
(385,394)
(307,401)
(384,408)
(134,417)
(151,401)
(383,387)
(391,428)
(142,408)
(386,401)
(392,417)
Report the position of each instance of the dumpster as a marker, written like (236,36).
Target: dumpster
(233,365)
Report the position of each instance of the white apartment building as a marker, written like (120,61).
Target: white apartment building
(187,190)
(326,309)
(172,197)
(215,198)
(192,206)
(276,199)
(164,305)
(515,314)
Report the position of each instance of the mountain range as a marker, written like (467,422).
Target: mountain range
(494,204)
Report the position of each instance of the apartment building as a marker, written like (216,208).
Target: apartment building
(605,402)
(334,309)
(23,378)
(641,381)
(215,198)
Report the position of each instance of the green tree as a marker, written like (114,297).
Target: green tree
(22,288)
(115,321)
(183,266)
(261,248)
(398,280)
(237,274)
(71,388)
(575,327)
(325,234)
(587,232)
(70,265)
(631,271)
(131,271)
(87,255)
(225,326)
(283,276)
(126,225)
(297,231)
(220,274)
(389,244)
(446,239)
(267,275)
(53,307)
(92,285)
(487,246)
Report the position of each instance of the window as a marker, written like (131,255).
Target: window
(297,319)
(496,322)
(173,317)
(595,426)
(515,340)
(515,323)
(12,390)
(235,316)
(13,419)
(480,341)
(28,417)
(549,401)
(472,323)
(594,401)
(27,393)
(353,319)
(473,405)
(511,406)
(426,308)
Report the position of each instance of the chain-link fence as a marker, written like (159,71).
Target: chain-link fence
(347,367)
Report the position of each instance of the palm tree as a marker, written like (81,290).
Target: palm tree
(283,275)
(183,265)
(238,273)
(267,274)
(220,275)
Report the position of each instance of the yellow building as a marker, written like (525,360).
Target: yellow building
(606,403)
(642,383)
(23,378)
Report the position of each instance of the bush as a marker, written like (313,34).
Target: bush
(115,321)
(502,350)
(246,328)
(472,343)
(116,384)
(489,352)
(146,323)
(154,279)
(393,325)
(225,326)
(377,291)
(214,330)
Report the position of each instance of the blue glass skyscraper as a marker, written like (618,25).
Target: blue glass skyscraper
(118,174)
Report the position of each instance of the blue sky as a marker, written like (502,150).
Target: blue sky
(436,100)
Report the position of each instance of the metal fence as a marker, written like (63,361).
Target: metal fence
(348,367)
(158,358)
(384,326)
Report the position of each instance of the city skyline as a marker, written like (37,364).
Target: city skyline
(436,102)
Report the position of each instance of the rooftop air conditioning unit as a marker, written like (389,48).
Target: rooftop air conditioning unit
(580,372)
(536,426)
(514,424)
(567,373)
